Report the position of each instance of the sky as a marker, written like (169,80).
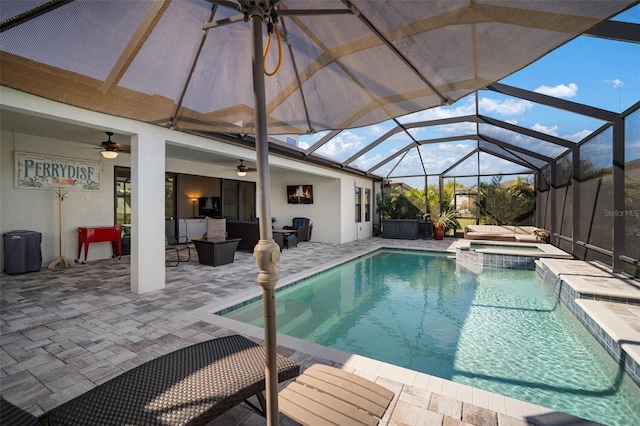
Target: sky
(588,70)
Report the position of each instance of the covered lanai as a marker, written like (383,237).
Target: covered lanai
(451,130)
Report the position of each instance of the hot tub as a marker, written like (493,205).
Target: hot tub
(501,254)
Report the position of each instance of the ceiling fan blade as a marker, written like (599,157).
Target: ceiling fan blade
(244,169)
(110,145)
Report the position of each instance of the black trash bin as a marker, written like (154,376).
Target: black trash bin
(22,252)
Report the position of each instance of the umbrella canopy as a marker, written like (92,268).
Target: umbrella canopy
(339,64)
(344,63)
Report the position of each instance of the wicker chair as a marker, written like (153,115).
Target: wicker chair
(279,239)
(304,227)
(189,386)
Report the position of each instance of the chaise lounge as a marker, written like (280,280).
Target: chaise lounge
(189,386)
(501,233)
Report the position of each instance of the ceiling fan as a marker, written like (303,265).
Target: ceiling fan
(242,169)
(111,149)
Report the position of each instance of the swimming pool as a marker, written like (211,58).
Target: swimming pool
(500,330)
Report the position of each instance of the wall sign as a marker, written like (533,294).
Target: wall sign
(38,171)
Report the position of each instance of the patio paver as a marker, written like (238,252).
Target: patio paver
(66,330)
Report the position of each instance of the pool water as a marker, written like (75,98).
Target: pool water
(531,248)
(501,330)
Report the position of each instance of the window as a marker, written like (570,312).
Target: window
(122,205)
(367,205)
(123,195)
(358,204)
(238,200)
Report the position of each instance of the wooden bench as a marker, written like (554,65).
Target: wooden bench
(329,396)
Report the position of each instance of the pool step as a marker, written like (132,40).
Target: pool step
(592,281)
(615,325)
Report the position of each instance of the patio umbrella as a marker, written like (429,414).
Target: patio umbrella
(336,64)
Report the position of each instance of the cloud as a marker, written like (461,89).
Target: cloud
(305,141)
(466,108)
(615,82)
(559,91)
(343,145)
(378,130)
(578,136)
(506,107)
(364,163)
(549,130)
(553,131)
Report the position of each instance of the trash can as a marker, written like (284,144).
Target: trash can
(22,252)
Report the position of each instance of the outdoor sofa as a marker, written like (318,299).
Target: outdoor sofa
(189,386)
(501,233)
(248,231)
(250,234)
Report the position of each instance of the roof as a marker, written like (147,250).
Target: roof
(153,62)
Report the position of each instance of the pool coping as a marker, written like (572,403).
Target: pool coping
(545,250)
(371,368)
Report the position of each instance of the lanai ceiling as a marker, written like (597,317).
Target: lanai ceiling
(100,58)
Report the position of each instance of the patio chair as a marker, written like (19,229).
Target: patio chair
(278,237)
(189,386)
(172,245)
(304,227)
(329,396)
(290,240)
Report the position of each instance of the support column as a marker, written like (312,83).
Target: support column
(553,205)
(441,192)
(576,250)
(537,221)
(618,233)
(147,212)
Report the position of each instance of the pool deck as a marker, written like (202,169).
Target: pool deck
(66,330)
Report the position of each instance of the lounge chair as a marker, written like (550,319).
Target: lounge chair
(329,396)
(189,386)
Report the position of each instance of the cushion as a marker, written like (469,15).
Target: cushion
(216,229)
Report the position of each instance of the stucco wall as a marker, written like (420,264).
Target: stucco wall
(324,213)
(332,213)
(38,209)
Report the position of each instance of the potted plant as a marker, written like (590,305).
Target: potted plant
(398,216)
(542,235)
(442,221)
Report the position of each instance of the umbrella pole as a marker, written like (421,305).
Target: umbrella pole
(267,252)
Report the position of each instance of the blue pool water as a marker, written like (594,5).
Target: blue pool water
(501,330)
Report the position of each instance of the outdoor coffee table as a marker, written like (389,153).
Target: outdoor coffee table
(216,252)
